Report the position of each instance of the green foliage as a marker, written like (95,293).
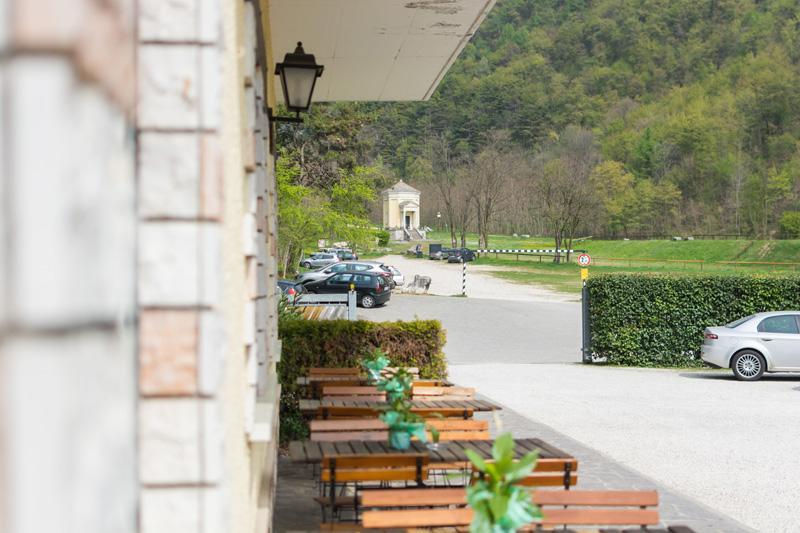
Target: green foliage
(790,223)
(659,320)
(697,94)
(342,343)
(383,237)
(287,310)
(402,422)
(374,365)
(307,214)
(500,505)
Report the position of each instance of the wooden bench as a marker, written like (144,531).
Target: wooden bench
(423,392)
(418,392)
(336,412)
(339,470)
(355,372)
(357,393)
(446,507)
(376,430)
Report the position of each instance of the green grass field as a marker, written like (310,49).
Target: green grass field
(633,256)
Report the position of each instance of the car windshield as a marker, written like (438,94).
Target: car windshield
(737,323)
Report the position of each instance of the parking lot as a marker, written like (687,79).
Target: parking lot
(728,445)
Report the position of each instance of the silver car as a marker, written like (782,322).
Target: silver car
(319,260)
(344,266)
(750,346)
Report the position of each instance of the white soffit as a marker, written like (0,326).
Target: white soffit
(380,50)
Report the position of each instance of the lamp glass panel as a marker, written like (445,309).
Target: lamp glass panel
(299,82)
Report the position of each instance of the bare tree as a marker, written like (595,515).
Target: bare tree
(446,181)
(561,173)
(492,170)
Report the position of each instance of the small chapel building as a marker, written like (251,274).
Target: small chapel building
(401,212)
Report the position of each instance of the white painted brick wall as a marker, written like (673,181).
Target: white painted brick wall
(211,351)
(209,26)
(3,177)
(73,190)
(168,269)
(168,86)
(169,173)
(174,510)
(169,451)
(173,20)
(211,66)
(71,432)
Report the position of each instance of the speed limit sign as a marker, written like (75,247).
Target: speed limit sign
(584,260)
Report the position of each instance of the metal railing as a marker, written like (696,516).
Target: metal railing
(328,306)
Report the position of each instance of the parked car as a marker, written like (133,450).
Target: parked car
(319,260)
(287,285)
(397,276)
(291,288)
(456,255)
(440,254)
(346,254)
(750,346)
(344,266)
(372,289)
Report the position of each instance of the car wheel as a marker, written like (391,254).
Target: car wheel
(748,365)
(305,264)
(367,301)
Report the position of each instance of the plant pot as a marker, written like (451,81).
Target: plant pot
(400,434)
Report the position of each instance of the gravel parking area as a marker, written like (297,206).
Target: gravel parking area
(446,281)
(729,445)
(485,330)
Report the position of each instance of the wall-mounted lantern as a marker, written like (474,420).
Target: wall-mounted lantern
(299,72)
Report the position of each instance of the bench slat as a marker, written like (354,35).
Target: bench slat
(600,517)
(413,497)
(617,498)
(417,518)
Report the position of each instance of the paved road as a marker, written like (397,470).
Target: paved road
(494,331)
(729,445)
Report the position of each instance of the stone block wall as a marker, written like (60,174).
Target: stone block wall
(138,218)
(180,280)
(67,267)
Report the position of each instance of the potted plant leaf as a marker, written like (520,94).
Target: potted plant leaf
(402,421)
(498,503)
(374,365)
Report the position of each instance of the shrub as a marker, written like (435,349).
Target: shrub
(383,237)
(342,343)
(659,320)
(790,224)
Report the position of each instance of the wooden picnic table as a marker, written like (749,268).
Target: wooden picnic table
(452,452)
(333,379)
(313,406)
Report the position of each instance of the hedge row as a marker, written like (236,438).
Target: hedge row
(342,343)
(646,320)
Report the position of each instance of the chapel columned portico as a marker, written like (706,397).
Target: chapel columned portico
(401,212)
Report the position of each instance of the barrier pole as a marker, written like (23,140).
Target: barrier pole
(463,276)
(586,339)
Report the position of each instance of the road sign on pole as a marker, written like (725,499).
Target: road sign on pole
(584,260)
(584,274)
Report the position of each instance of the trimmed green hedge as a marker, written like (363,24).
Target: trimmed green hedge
(646,320)
(342,343)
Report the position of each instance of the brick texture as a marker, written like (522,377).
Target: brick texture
(168,346)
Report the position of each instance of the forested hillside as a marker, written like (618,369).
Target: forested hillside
(650,116)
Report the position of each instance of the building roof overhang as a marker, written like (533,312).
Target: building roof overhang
(376,50)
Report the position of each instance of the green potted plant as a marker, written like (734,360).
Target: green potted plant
(374,365)
(403,423)
(498,503)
